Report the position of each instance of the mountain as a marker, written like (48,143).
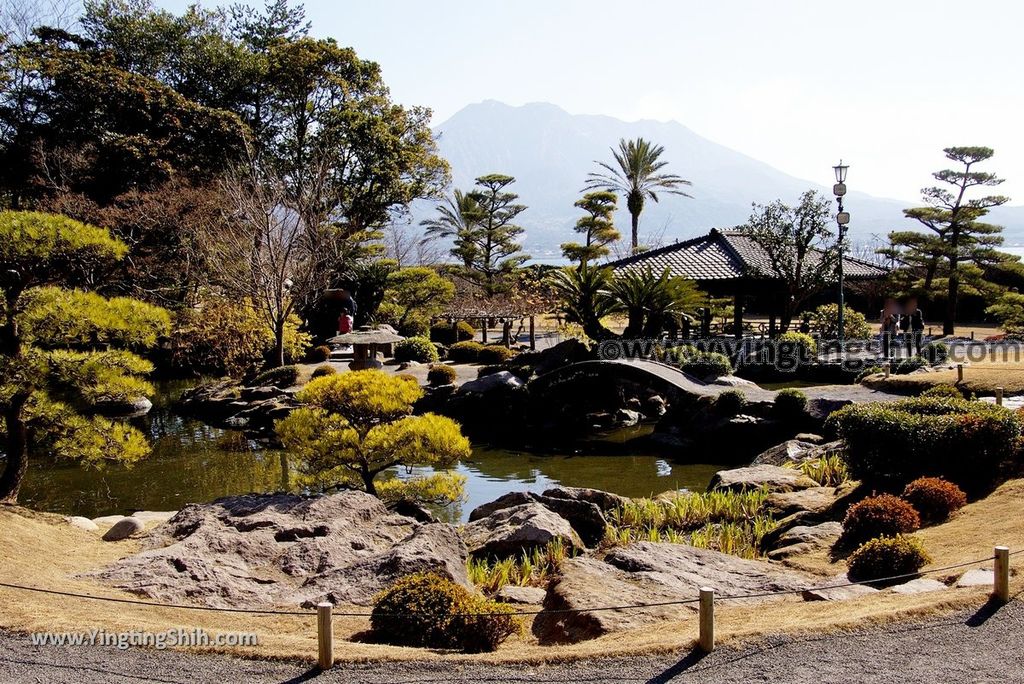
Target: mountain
(550,151)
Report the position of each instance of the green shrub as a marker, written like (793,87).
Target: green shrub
(319,354)
(441,374)
(826,321)
(910,365)
(465,352)
(700,364)
(943,392)
(730,402)
(877,516)
(935,352)
(431,611)
(870,370)
(414,326)
(934,499)
(802,341)
(283,376)
(416,349)
(887,556)
(495,354)
(790,403)
(893,443)
(321,371)
(448,333)
(388,313)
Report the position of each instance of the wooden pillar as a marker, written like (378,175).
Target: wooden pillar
(483,329)
(737,316)
(533,335)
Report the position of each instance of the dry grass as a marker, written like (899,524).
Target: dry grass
(42,550)
(980,377)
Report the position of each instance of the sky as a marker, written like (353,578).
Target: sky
(798,84)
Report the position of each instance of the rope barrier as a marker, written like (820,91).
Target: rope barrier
(631,606)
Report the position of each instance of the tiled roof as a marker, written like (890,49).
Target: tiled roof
(725,255)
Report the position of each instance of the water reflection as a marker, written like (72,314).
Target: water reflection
(192,461)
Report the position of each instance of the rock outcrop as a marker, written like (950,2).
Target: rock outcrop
(225,402)
(585,517)
(281,549)
(772,478)
(510,531)
(650,572)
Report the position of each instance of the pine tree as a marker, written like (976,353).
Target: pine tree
(597,228)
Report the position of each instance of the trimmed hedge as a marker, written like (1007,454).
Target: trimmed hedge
(321,371)
(790,403)
(887,556)
(416,349)
(318,354)
(943,392)
(730,402)
(877,516)
(446,333)
(282,376)
(465,352)
(431,611)
(700,364)
(495,354)
(934,499)
(891,444)
(441,374)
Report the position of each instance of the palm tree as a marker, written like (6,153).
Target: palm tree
(457,218)
(650,301)
(637,177)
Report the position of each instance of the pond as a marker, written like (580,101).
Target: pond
(195,462)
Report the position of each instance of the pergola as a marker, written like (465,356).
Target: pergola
(728,263)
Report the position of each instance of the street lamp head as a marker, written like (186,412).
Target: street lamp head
(840,170)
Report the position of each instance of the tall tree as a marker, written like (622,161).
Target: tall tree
(637,175)
(481,224)
(958,237)
(597,228)
(61,348)
(798,244)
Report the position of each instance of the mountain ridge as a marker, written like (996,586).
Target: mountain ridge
(550,151)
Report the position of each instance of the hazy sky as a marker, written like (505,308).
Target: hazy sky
(797,84)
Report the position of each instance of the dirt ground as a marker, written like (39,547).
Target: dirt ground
(42,550)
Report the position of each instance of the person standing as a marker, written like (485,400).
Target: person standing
(347,313)
(890,319)
(916,325)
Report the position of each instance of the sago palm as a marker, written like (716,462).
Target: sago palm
(650,300)
(637,175)
(583,297)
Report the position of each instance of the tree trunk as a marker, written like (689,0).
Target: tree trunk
(278,359)
(17,450)
(635,216)
(949,322)
(368,483)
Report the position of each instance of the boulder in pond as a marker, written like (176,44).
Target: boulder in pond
(772,478)
(510,531)
(124,528)
(282,549)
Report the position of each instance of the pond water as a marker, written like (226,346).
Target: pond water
(195,462)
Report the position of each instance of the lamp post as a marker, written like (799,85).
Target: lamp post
(843,219)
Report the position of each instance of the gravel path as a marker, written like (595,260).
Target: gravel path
(983,647)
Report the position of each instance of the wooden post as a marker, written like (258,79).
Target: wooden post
(483,327)
(324,636)
(707,619)
(737,316)
(533,335)
(1001,590)
(959,372)
(888,368)
(999,396)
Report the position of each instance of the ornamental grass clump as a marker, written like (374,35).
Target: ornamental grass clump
(431,611)
(934,499)
(828,471)
(876,516)
(889,556)
(891,444)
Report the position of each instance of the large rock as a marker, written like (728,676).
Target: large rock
(790,450)
(820,408)
(280,549)
(82,523)
(814,499)
(645,573)
(606,501)
(804,538)
(921,585)
(585,517)
(513,594)
(773,478)
(489,383)
(510,531)
(124,528)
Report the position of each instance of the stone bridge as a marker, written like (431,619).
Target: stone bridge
(657,377)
